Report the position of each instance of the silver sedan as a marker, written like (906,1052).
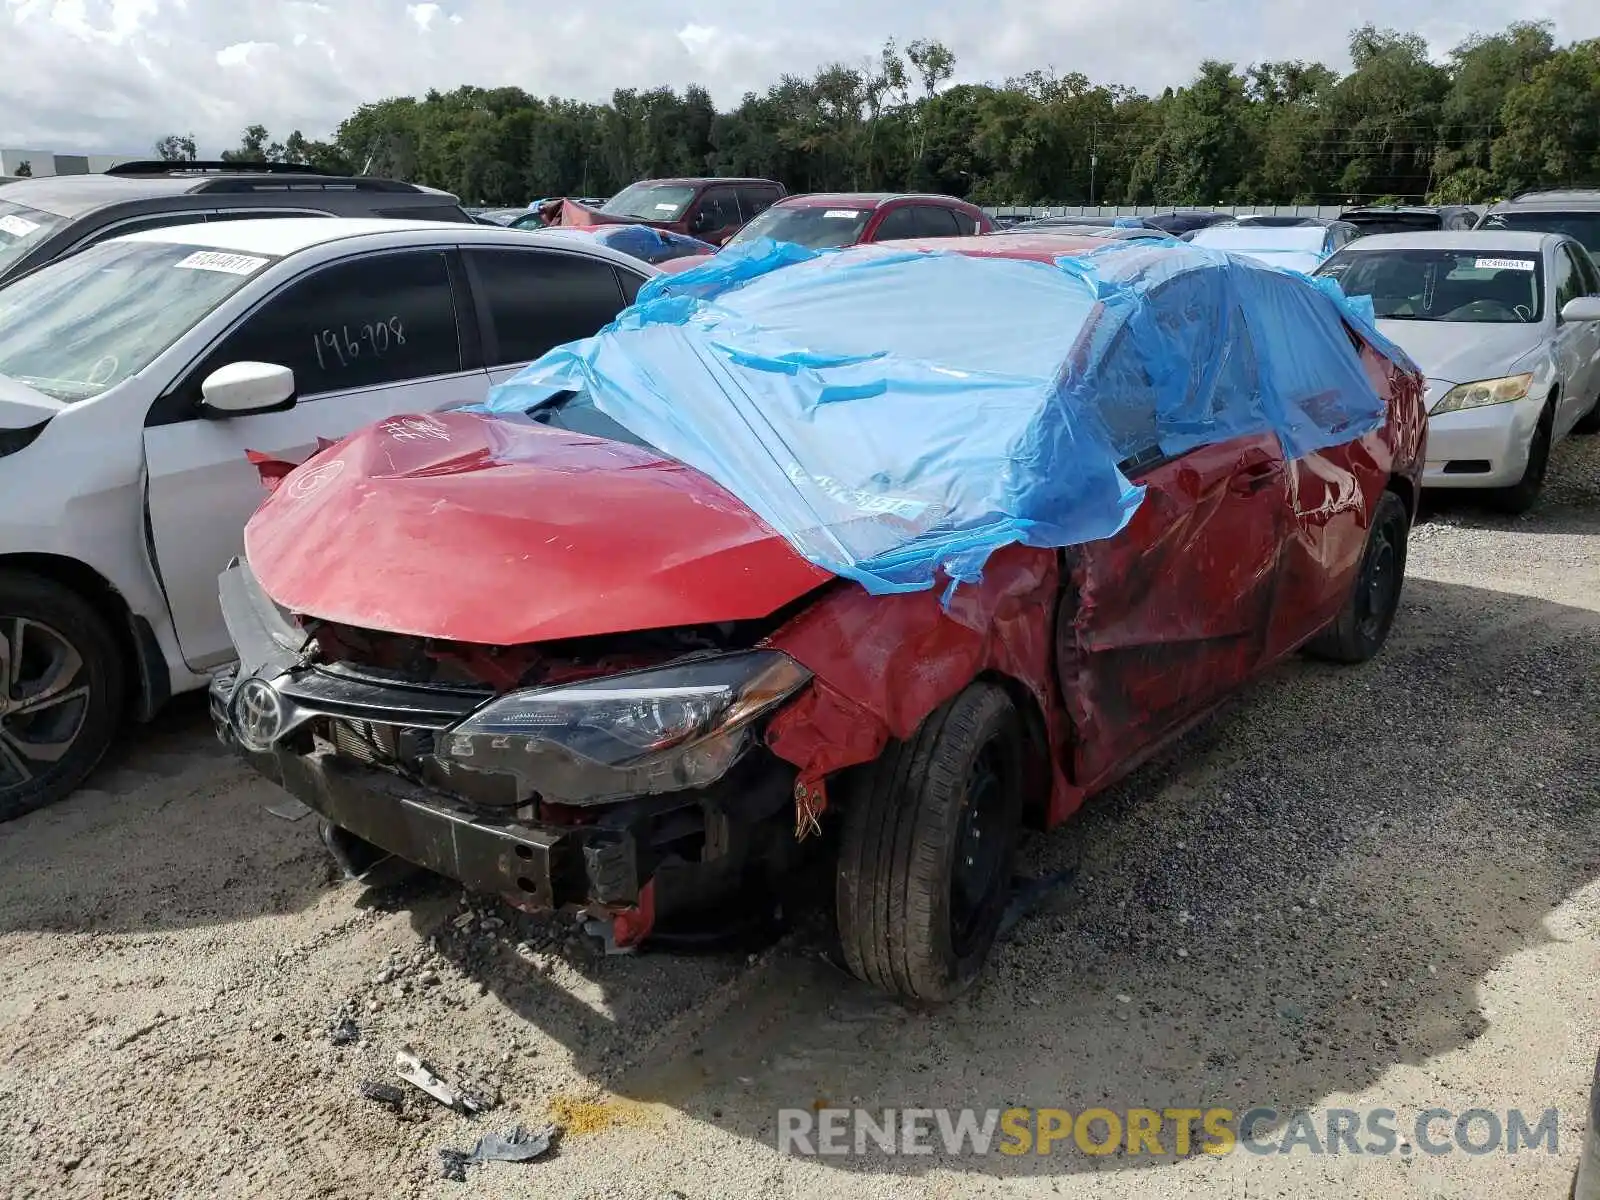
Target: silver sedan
(1506,327)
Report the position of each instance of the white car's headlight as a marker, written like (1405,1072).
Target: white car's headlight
(1484,392)
(635,734)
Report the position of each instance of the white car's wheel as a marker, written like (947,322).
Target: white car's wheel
(60,692)
(1524,494)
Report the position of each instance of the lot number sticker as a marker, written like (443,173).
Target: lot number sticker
(834,214)
(228,264)
(16,226)
(1503,264)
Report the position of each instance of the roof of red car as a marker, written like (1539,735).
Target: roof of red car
(863,199)
(1040,247)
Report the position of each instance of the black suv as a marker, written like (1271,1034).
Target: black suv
(1409,218)
(1573,211)
(46,218)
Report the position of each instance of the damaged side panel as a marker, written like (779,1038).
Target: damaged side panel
(1172,613)
(883,663)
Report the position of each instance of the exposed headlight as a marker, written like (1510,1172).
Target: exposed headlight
(635,734)
(1484,392)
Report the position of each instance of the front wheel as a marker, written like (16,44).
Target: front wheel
(1524,494)
(930,830)
(61,681)
(1590,421)
(1363,625)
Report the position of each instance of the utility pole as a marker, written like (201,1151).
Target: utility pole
(1094,157)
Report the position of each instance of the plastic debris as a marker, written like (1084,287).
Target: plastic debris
(417,1073)
(516,1146)
(288,809)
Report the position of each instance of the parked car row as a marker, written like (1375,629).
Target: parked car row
(46,218)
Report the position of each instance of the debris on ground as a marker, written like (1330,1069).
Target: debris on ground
(516,1146)
(417,1073)
(382,1093)
(288,809)
(344,1033)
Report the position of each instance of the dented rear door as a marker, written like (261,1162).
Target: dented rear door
(1162,620)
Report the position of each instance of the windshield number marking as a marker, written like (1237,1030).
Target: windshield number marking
(840,214)
(1503,264)
(341,348)
(17,227)
(228,264)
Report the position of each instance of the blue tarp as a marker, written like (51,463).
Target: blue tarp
(644,242)
(897,415)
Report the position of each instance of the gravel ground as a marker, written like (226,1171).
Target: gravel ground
(1353,888)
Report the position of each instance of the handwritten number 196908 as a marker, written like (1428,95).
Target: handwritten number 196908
(340,347)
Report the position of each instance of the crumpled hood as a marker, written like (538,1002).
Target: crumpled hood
(475,528)
(1464,351)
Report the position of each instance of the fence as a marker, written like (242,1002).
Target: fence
(1145,210)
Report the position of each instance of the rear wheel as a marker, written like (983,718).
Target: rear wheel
(61,691)
(925,862)
(1524,494)
(1363,625)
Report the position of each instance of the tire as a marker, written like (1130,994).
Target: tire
(1524,494)
(915,919)
(1590,421)
(1363,624)
(62,697)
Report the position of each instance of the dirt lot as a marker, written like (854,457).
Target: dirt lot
(1354,888)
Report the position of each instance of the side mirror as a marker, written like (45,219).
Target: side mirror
(1582,308)
(248,387)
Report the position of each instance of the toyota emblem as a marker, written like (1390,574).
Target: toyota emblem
(257,715)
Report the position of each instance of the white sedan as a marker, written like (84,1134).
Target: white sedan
(1506,327)
(135,375)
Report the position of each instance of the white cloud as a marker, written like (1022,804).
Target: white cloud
(697,37)
(114,75)
(239,54)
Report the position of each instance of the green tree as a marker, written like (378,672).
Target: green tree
(177,148)
(1552,122)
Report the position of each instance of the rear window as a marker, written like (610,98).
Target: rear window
(538,299)
(1581,226)
(1394,222)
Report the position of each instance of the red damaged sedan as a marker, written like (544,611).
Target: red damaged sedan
(582,653)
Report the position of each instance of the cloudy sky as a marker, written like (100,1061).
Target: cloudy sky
(113,75)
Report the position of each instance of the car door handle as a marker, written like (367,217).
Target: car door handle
(1252,479)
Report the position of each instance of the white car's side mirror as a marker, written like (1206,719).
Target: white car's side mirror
(247,387)
(1582,308)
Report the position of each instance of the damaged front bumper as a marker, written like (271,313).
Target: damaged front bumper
(359,750)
